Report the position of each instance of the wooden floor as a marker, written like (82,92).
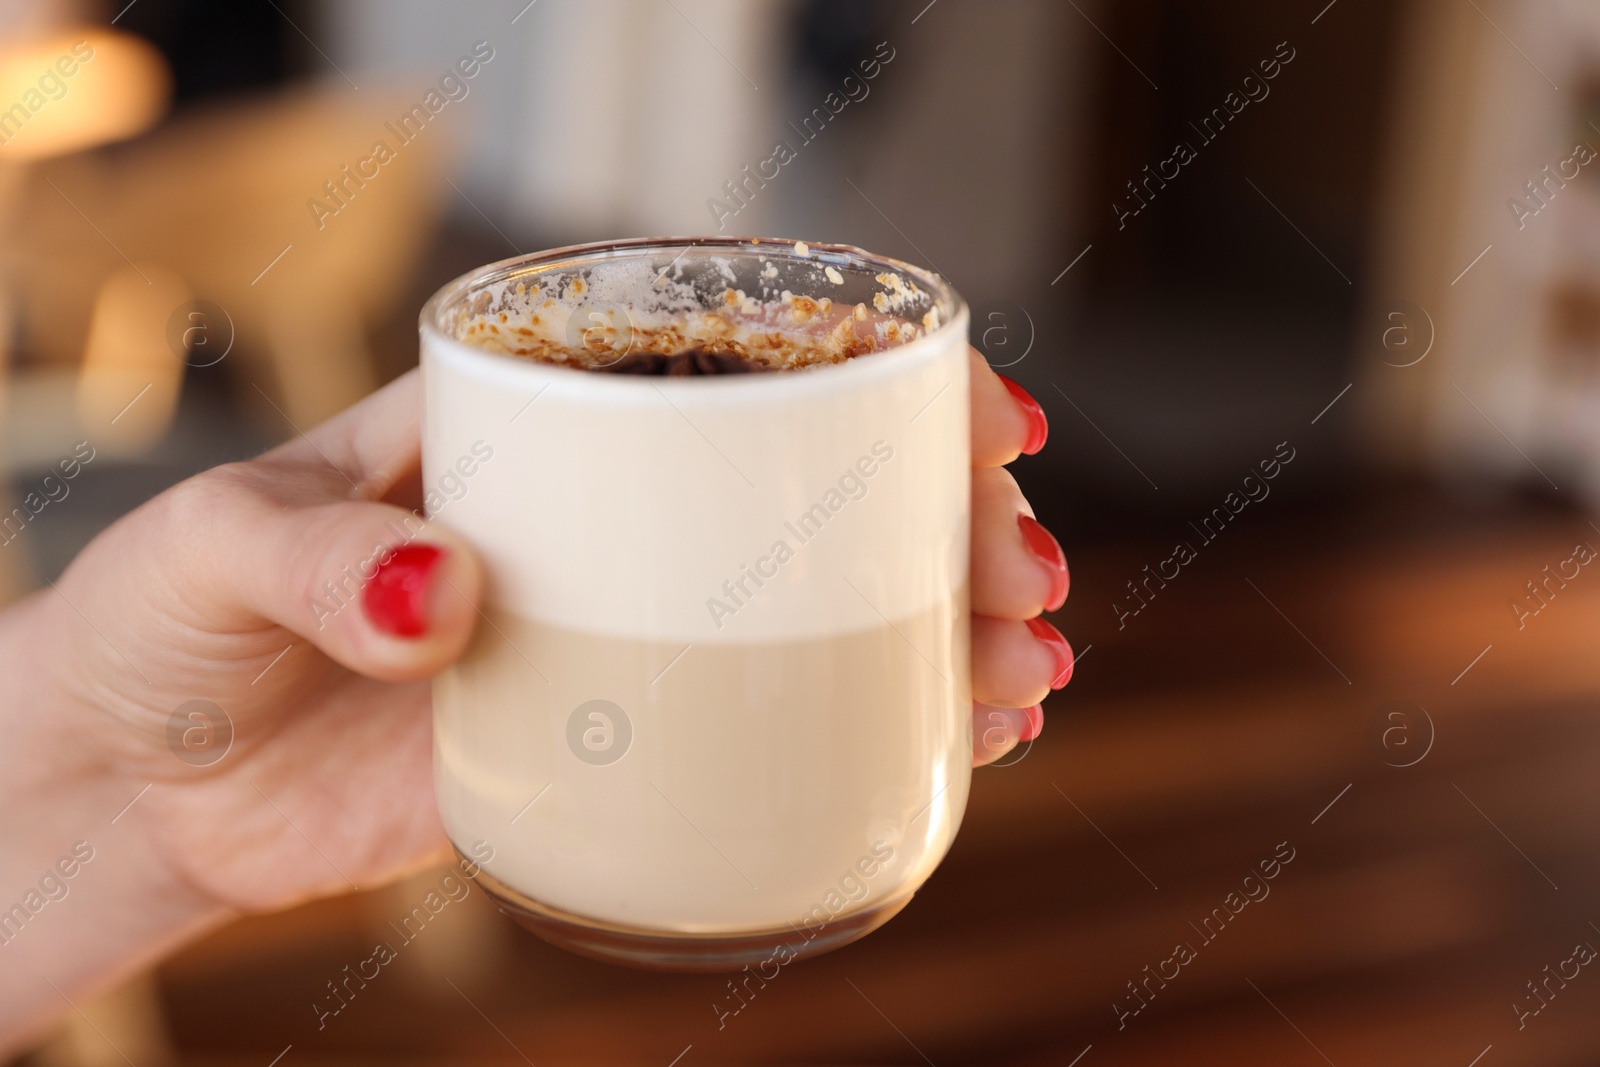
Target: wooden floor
(1240,716)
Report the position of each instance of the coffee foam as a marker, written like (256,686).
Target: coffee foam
(595,315)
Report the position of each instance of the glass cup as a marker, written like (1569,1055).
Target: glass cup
(718,711)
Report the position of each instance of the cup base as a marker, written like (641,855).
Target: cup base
(656,950)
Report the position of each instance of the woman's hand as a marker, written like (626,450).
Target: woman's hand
(300,595)
(291,592)
(242,588)
(1018,571)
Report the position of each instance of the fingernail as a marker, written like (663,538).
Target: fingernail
(1048,551)
(1051,638)
(396,599)
(1032,724)
(1038,425)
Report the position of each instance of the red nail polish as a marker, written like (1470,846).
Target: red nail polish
(1048,550)
(1033,723)
(1051,638)
(1038,425)
(396,599)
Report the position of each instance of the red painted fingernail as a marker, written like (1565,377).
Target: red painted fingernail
(1051,637)
(1038,425)
(1033,723)
(1044,546)
(396,599)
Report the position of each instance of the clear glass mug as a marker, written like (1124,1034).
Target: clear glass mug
(718,711)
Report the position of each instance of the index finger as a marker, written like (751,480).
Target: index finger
(1006,421)
(374,443)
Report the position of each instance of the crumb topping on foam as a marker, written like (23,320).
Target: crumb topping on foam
(593,317)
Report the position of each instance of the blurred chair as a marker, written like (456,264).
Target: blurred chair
(102,251)
(61,91)
(222,199)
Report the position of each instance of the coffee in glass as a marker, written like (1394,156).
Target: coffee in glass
(719,709)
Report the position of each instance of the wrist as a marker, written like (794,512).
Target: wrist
(84,898)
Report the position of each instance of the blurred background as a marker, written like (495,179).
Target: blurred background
(1357,242)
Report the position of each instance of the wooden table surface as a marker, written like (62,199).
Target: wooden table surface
(1240,715)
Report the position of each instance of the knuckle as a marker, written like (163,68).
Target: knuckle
(193,528)
(202,501)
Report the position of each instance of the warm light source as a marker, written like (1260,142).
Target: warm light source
(131,376)
(75,90)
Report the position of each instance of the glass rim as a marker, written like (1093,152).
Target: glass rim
(953,308)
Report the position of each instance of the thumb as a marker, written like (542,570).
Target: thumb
(375,587)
